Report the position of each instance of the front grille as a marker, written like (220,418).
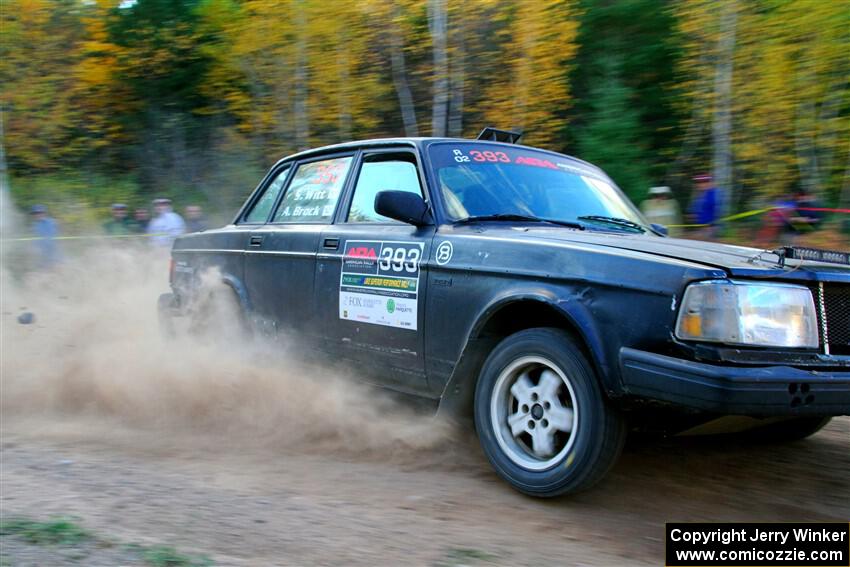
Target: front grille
(836,312)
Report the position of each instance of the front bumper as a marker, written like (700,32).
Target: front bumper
(759,391)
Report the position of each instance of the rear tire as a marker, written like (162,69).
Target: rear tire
(541,416)
(166,304)
(218,315)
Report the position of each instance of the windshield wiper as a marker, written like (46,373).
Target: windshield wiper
(522,218)
(615,221)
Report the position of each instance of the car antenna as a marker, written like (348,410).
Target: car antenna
(496,135)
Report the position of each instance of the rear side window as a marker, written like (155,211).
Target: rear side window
(263,206)
(314,191)
(382,172)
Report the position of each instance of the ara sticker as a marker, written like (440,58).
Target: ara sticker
(379,283)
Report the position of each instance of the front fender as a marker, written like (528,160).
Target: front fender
(573,307)
(567,308)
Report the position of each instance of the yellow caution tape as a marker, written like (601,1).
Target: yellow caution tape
(726,219)
(85,237)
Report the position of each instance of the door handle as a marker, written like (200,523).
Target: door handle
(255,240)
(331,243)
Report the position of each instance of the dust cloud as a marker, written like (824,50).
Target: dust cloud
(94,361)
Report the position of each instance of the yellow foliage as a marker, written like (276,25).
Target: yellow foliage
(790,82)
(540,43)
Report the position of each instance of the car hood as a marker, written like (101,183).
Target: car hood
(737,261)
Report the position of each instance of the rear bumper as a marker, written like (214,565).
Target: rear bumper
(762,391)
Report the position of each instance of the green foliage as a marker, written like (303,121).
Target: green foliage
(80,202)
(610,137)
(639,38)
(165,556)
(60,531)
(466,556)
(194,99)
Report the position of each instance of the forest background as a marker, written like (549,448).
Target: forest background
(105,101)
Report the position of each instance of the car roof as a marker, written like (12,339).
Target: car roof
(421,141)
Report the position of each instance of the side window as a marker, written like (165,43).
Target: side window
(263,206)
(313,191)
(382,172)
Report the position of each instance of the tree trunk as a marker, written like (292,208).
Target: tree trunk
(405,99)
(437,25)
(844,197)
(4,172)
(343,60)
(458,79)
(302,121)
(722,124)
(807,160)
(6,214)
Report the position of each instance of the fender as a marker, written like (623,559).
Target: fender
(239,289)
(572,312)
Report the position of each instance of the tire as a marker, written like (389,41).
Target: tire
(165,308)
(217,315)
(788,430)
(563,436)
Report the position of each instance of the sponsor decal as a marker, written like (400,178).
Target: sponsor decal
(379,283)
(361,252)
(444,252)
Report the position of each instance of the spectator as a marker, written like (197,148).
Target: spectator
(166,224)
(661,208)
(195,221)
(777,226)
(808,216)
(46,231)
(705,207)
(141,218)
(120,224)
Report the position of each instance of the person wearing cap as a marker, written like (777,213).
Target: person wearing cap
(705,206)
(661,208)
(166,224)
(46,231)
(120,224)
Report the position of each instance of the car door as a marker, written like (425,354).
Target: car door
(280,259)
(371,276)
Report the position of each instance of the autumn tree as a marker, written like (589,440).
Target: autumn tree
(781,68)
(37,59)
(537,46)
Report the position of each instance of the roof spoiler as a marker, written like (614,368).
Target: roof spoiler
(496,135)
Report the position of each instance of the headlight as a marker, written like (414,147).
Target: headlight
(744,313)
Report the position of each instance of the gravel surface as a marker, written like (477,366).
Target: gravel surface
(442,506)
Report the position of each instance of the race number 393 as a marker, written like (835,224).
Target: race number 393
(399,259)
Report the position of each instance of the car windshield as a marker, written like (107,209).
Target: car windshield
(483,180)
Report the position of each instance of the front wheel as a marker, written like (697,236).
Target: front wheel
(542,418)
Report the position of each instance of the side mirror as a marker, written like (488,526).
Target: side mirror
(403,206)
(660,229)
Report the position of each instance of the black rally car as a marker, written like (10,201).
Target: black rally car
(522,287)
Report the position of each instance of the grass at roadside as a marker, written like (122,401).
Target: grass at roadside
(59,531)
(464,556)
(43,541)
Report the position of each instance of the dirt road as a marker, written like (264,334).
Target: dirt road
(233,450)
(441,506)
